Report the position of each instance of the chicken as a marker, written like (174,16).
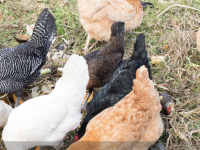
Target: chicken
(4,113)
(120,84)
(103,62)
(20,66)
(132,123)
(97,16)
(198,40)
(45,120)
(167,104)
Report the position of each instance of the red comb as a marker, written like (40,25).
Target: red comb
(169,109)
(76,138)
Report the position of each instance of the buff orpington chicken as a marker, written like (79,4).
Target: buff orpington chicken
(45,120)
(97,16)
(133,123)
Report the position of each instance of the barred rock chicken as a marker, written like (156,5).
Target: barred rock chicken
(4,113)
(133,123)
(45,120)
(20,66)
(198,40)
(120,84)
(103,62)
(97,16)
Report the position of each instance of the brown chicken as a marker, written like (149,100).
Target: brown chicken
(97,16)
(104,61)
(198,40)
(133,123)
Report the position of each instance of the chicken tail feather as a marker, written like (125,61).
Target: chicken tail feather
(140,52)
(45,31)
(145,91)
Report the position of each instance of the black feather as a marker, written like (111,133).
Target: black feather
(120,84)
(146,4)
(104,61)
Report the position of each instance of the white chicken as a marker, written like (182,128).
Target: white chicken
(45,120)
(4,113)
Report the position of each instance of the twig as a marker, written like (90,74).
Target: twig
(7,26)
(176,5)
(8,101)
(194,132)
(166,89)
(186,103)
(5,45)
(92,45)
(38,82)
(62,35)
(3,96)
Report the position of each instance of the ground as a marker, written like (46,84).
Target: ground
(172,35)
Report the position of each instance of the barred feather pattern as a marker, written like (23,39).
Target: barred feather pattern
(20,66)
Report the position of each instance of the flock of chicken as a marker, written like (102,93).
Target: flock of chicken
(124,114)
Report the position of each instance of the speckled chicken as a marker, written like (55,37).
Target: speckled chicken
(45,120)
(97,16)
(20,66)
(133,123)
(4,113)
(198,40)
(120,84)
(103,62)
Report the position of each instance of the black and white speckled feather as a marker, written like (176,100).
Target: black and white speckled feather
(120,84)
(20,66)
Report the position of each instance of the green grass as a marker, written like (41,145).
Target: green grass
(176,28)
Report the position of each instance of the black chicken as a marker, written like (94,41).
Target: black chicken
(103,62)
(120,84)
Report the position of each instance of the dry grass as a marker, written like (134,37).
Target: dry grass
(179,73)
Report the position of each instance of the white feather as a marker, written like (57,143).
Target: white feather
(4,113)
(45,120)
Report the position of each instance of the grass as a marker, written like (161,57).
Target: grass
(180,72)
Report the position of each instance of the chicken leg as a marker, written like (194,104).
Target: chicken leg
(84,106)
(18,94)
(87,45)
